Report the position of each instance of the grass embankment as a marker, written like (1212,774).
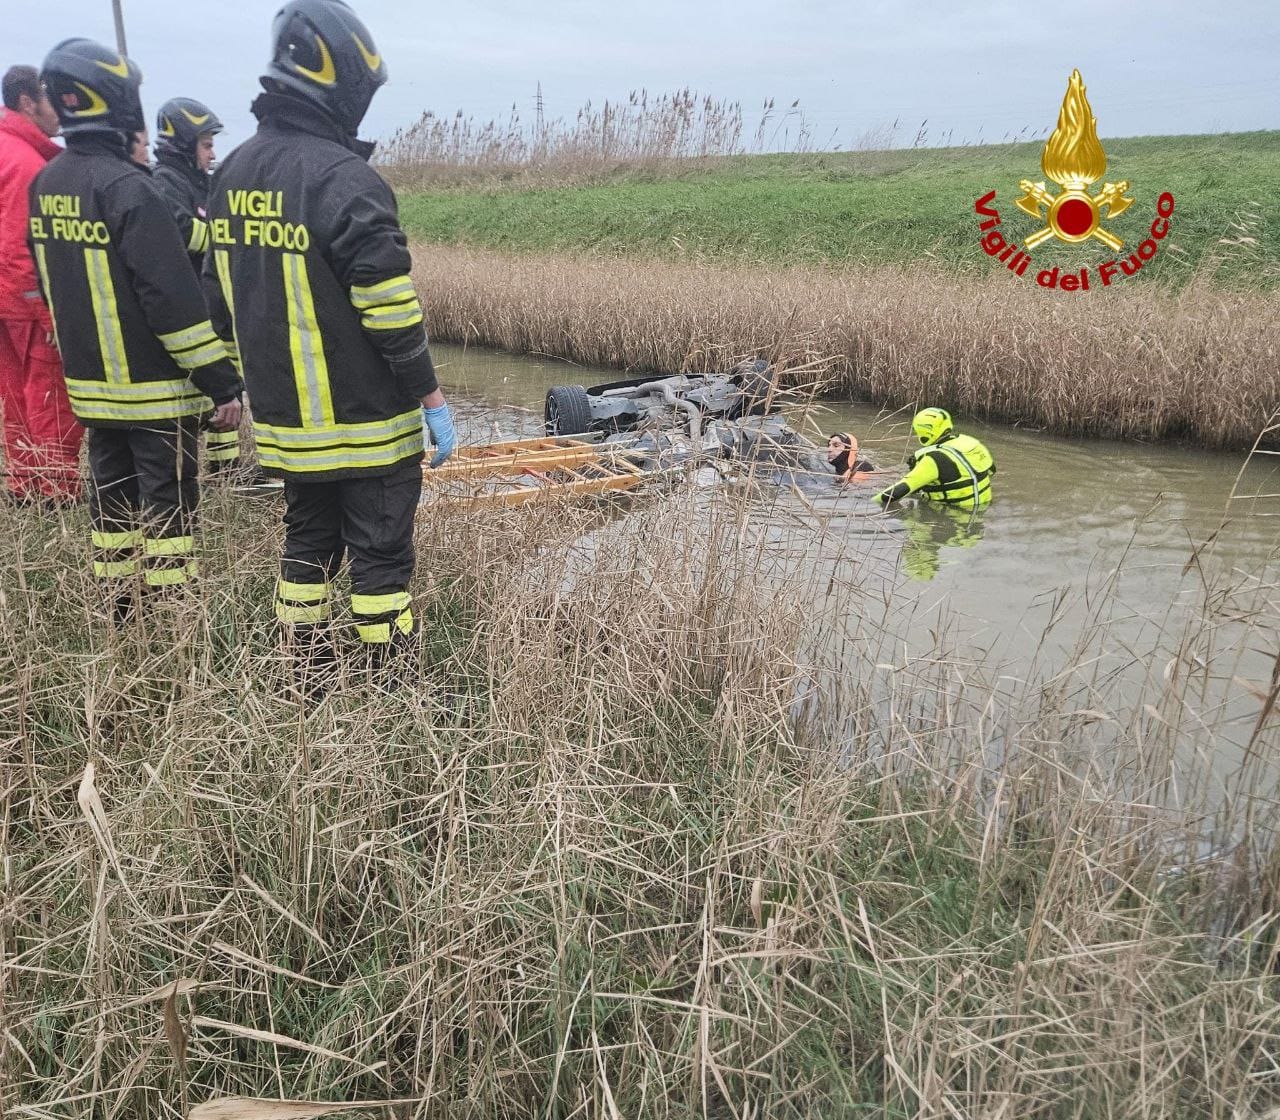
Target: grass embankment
(871,209)
(1199,365)
(613,877)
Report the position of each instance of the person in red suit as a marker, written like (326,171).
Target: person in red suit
(41,437)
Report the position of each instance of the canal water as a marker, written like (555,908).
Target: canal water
(1111,553)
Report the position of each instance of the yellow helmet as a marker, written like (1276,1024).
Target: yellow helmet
(931,424)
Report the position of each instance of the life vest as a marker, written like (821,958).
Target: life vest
(965,467)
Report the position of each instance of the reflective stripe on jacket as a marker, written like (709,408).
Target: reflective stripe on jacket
(952,471)
(308,277)
(24,150)
(186,190)
(137,344)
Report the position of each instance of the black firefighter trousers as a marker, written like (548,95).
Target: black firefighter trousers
(144,490)
(371,521)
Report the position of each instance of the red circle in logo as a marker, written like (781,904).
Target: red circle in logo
(1074,217)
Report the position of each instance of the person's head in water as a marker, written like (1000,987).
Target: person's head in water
(842,450)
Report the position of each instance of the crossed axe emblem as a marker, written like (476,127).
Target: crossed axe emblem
(1074,215)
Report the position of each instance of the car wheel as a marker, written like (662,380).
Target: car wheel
(567,411)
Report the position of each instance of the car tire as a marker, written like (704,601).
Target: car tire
(567,411)
(758,381)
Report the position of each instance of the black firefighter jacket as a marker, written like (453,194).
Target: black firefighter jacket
(186,189)
(130,317)
(308,275)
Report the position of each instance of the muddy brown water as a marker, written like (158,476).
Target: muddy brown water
(1075,523)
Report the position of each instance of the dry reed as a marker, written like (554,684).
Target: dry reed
(1139,363)
(645,133)
(609,860)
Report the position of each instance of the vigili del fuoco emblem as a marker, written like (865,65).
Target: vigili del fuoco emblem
(1074,159)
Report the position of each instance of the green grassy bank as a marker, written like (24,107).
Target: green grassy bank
(878,208)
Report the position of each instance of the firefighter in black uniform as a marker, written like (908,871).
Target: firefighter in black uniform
(308,272)
(185,129)
(141,359)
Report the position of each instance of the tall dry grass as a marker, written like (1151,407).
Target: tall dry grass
(609,859)
(645,133)
(1133,363)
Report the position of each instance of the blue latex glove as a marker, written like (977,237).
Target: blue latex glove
(439,422)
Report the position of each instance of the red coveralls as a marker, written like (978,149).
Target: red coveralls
(41,436)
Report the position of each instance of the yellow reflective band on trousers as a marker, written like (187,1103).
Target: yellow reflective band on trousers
(379,633)
(102,294)
(168,546)
(379,443)
(222,447)
(170,577)
(379,604)
(306,345)
(115,569)
(304,604)
(43,265)
(199,236)
(129,538)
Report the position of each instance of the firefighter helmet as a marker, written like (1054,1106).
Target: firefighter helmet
(180,124)
(93,89)
(931,424)
(324,54)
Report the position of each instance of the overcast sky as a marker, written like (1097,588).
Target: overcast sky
(979,70)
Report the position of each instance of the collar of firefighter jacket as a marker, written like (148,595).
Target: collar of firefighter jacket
(15,124)
(105,144)
(278,110)
(185,164)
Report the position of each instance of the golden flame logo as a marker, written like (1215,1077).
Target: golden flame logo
(1073,158)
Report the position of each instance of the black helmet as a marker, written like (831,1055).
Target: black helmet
(181,122)
(93,88)
(323,53)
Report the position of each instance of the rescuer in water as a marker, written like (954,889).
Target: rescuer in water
(842,454)
(141,359)
(308,274)
(947,467)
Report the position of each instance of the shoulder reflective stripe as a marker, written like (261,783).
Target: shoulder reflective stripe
(310,370)
(43,265)
(102,292)
(199,236)
(395,290)
(195,335)
(379,604)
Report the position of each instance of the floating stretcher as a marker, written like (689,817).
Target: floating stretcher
(527,470)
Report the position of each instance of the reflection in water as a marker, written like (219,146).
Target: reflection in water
(931,528)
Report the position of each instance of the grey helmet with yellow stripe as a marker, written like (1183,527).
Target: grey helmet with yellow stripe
(93,89)
(180,124)
(324,54)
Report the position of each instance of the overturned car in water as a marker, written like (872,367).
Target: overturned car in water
(683,401)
